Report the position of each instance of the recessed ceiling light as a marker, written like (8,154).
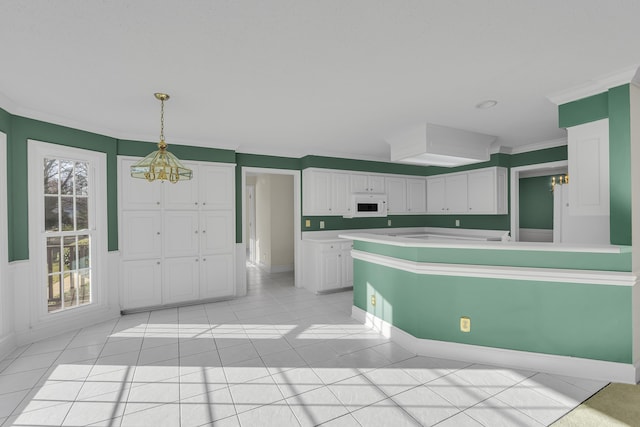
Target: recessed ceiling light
(489,103)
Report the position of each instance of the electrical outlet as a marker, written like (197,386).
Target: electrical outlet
(307,223)
(373,300)
(465,324)
(457,223)
(321,224)
(389,222)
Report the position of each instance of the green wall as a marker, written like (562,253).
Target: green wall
(615,105)
(536,203)
(568,319)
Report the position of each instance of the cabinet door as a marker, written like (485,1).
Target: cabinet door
(182,195)
(216,276)
(359,183)
(396,195)
(482,191)
(180,279)
(317,192)
(330,273)
(216,186)
(181,234)
(141,234)
(139,193)
(456,194)
(341,194)
(416,195)
(141,283)
(376,183)
(217,232)
(588,156)
(435,196)
(346,264)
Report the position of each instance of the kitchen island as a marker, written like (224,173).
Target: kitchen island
(554,308)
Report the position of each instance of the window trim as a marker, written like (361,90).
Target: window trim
(37,152)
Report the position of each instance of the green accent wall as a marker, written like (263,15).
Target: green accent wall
(614,105)
(584,110)
(543,317)
(620,165)
(504,257)
(536,203)
(547,155)
(23,129)
(183,152)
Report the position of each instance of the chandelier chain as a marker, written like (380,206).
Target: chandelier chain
(162,120)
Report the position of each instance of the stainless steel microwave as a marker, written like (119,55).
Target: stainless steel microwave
(366,205)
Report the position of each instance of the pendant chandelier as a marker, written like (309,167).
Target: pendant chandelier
(161,164)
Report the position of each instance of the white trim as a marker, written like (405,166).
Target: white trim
(514,209)
(549,363)
(595,86)
(538,146)
(6,286)
(297,214)
(37,150)
(592,277)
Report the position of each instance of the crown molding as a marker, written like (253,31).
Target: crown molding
(539,146)
(596,86)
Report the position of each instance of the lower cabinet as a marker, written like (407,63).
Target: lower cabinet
(328,265)
(140,279)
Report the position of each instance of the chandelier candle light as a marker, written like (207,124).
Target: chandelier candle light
(161,164)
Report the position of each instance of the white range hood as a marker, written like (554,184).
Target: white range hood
(429,144)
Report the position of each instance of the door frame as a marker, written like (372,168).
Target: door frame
(297,214)
(251,212)
(515,191)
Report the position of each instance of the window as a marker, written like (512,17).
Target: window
(68,238)
(67,226)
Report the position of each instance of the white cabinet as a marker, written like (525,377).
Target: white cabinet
(328,265)
(325,192)
(447,194)
(177,240)
(487,191)
(476,192)
(396,189)
(367,183)
(588,156)
(416,195)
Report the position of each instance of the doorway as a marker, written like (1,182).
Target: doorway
(532,201)
(271,221)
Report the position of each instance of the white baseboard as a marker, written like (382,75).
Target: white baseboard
(281,268)
(7,345)
(539,362)
(241,269)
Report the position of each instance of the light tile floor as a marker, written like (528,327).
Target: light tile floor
(278,357)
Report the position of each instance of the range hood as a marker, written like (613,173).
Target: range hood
(429,144)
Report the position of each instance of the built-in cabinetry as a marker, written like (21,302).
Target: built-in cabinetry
(177,240)
(367,183)
(480,191)
(325,192)
(328,265)
(588,156)
(405,195)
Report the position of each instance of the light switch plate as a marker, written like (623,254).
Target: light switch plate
(307,223)
(465,324)
(321,224)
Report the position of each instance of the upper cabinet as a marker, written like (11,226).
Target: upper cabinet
(213,189)
(588,155)
(479,191)
(405,195)
(367,183)
(325,192)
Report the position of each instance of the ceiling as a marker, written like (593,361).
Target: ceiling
(292,77)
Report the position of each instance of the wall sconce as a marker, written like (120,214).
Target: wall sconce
(562,179)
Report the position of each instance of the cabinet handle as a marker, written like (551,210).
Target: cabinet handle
(204,203)
(158,233)
(158,262)
(196,231)
(157,203)
(204,231)
(197,260)
(204,259)
(196,203)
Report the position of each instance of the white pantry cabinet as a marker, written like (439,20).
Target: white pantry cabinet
(177,240)
(328,265)
(588,156)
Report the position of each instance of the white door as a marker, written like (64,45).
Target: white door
(396,195)
(330,273)
(416,195)
(376,183)
(456,194)
(217,231)
(183,195)
(251,212)
(217,189)
(347,264)
(482,192)
(139,193)
(435,196)
(216,276)
(317,195)
(141,234)
(181,233)
(341,194)
(141,283)
(180,279)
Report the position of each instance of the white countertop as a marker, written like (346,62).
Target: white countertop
(459,240)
